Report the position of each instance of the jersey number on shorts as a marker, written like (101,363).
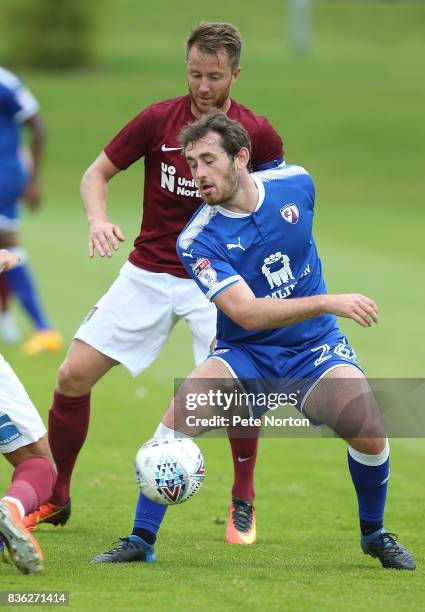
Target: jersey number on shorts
(342,350)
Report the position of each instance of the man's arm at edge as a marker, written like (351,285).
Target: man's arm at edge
(103,234)
(239,303)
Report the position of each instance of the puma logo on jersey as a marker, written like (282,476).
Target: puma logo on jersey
(236,246)
(188,254)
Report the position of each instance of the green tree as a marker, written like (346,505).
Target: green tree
(55,34)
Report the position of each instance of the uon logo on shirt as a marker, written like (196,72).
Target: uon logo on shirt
(204,272)
(177,184)
(290,213)
(277,270)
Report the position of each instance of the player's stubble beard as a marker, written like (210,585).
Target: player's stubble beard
(222,102)
(227,194)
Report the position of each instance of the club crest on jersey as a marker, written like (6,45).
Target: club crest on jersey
(290,213)
(204,272)
(277,269)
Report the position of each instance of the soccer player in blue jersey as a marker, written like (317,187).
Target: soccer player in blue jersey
(23,442)
(20,179)
(250,250)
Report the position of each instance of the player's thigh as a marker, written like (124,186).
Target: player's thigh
(203,325)
(20,423)
(133,320)
(82,368)
(200,396)
(200,314)
(343,400)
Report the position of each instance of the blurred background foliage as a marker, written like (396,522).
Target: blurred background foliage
(52,34)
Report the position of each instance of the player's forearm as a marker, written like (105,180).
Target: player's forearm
(37,145)
(93,191)
(265,313)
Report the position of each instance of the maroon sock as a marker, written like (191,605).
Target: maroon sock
(244,453)
(32,482)
(68,426)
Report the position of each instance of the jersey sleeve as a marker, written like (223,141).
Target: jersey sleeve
(211,273)
(267,147)
(18,103)
(133,141)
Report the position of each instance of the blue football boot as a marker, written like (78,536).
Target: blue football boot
(384,546)
(129,549)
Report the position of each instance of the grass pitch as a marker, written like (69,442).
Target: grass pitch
(352,114)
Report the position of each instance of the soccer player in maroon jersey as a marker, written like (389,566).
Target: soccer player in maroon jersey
(132,321)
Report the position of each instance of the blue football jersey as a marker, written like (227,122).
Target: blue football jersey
(272,249)
(17,105)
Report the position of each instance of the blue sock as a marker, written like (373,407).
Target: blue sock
(23,286)
(148,518)
(370,474)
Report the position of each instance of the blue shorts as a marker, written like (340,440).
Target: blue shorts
(13,178)
(274,369)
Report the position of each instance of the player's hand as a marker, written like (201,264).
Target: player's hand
(32,194)
(354,306)
(8,260)
(103,238)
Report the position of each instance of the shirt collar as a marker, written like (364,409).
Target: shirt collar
(235,215)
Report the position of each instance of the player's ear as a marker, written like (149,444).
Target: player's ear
(235,74)
(242,159)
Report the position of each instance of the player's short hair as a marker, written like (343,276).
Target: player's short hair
(210,37)
(233,135)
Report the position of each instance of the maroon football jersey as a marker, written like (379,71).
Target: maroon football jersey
(170,193)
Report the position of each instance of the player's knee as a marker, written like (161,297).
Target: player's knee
(371,446)
(72,379)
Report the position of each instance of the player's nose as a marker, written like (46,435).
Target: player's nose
(201,171)
(204,86)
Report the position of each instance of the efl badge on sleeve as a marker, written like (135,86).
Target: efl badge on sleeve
(290,213)
(204,272)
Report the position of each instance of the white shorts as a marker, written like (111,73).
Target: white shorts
(20,423)
(134,319)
